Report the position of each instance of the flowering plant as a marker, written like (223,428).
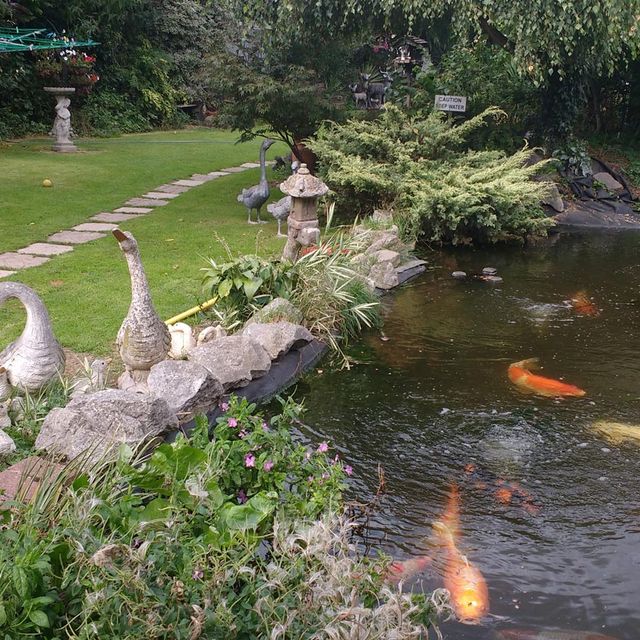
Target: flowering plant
(67,68)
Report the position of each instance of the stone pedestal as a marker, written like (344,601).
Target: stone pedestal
(62,130)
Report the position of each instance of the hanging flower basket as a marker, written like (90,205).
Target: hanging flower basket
(67,68)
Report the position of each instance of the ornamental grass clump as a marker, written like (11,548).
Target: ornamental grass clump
(240,536)
(420,167)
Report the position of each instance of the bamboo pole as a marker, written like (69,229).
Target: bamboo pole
(191,312)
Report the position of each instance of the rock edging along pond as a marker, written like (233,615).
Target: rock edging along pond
(257,363)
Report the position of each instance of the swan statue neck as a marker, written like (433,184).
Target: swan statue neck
(263,165)
(37,328)
(140,294)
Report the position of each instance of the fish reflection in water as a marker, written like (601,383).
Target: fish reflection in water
(541,634)
(401,570)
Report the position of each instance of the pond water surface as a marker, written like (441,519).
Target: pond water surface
(434,406)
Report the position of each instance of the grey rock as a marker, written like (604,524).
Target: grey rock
(382,216)
(278,309)
(607,180)
(554,199)
(384,275)
(233,360)
(384,240)
(386,255)
(492,279)
(489,271)
(5,420)
(98,423)
(459,275)
(362,263)
(7,445)
(278,338)
(187,387)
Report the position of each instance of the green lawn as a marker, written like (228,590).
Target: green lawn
(87,291)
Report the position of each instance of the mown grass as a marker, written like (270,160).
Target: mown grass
(87,291)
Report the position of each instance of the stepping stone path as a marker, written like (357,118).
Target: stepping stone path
(100,224)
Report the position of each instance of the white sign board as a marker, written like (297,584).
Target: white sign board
(451,103)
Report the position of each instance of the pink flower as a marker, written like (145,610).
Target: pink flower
(323,448)
(224,406)
(268,465)
(232,422)
(242,434)
(241,496)
(265,426)
(249,460)
(348,469)
(197,574)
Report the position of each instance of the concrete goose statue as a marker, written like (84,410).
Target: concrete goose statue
(143,339)
(280,210)
(36,357)
(254,197)
(182,340)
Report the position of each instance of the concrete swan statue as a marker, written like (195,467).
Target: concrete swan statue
(254,197)
(143,339)
(36,357)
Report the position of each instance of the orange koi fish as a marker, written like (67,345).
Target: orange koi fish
(582,305)
(541,634)
(401,570)
(466,585)
(519,373)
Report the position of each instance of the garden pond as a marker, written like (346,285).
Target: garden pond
(550,509)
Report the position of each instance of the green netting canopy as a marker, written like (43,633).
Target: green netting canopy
(15,39)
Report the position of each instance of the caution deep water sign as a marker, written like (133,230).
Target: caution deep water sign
(451,103)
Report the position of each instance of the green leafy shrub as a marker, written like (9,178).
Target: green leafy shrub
(230,538)
(421,167)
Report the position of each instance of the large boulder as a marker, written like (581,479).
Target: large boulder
(100,422)
(553,198)
(233,360)
(605,178)
(187,387)
(277,310)
(278,337)
(384,275)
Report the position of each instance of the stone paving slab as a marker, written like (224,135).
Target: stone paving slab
(158,195)
(113,217)
(201,177)
(146,202)
(75,237)
(24,477)
(138,210)
(11,260)
(217,174)
(189,183)
(235,169)
(171,188)
(6,274)
(251,165)
(45,249)
(96,226)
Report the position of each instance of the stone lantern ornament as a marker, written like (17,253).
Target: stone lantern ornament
(303,224)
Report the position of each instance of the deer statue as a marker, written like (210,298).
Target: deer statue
(376,90)
(359,97)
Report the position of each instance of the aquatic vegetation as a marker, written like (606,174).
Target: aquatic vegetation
(519,373)
(617,432)
(542,634)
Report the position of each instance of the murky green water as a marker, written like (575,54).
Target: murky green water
(435,398)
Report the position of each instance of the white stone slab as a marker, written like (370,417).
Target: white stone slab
(158,195)
(251,165)
(217,174)
(113,217)
(136,210)
(45,249)
(6,274)
(189,183)
(74,237)
(11,260)
(146,202)
(171,188)
(235,169)
(96,226)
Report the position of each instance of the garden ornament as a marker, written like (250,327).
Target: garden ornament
(62,131)
(254,197)
(280,210)
(35,358)
(303,225)
(143,339)
(376,91)
(359,96)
